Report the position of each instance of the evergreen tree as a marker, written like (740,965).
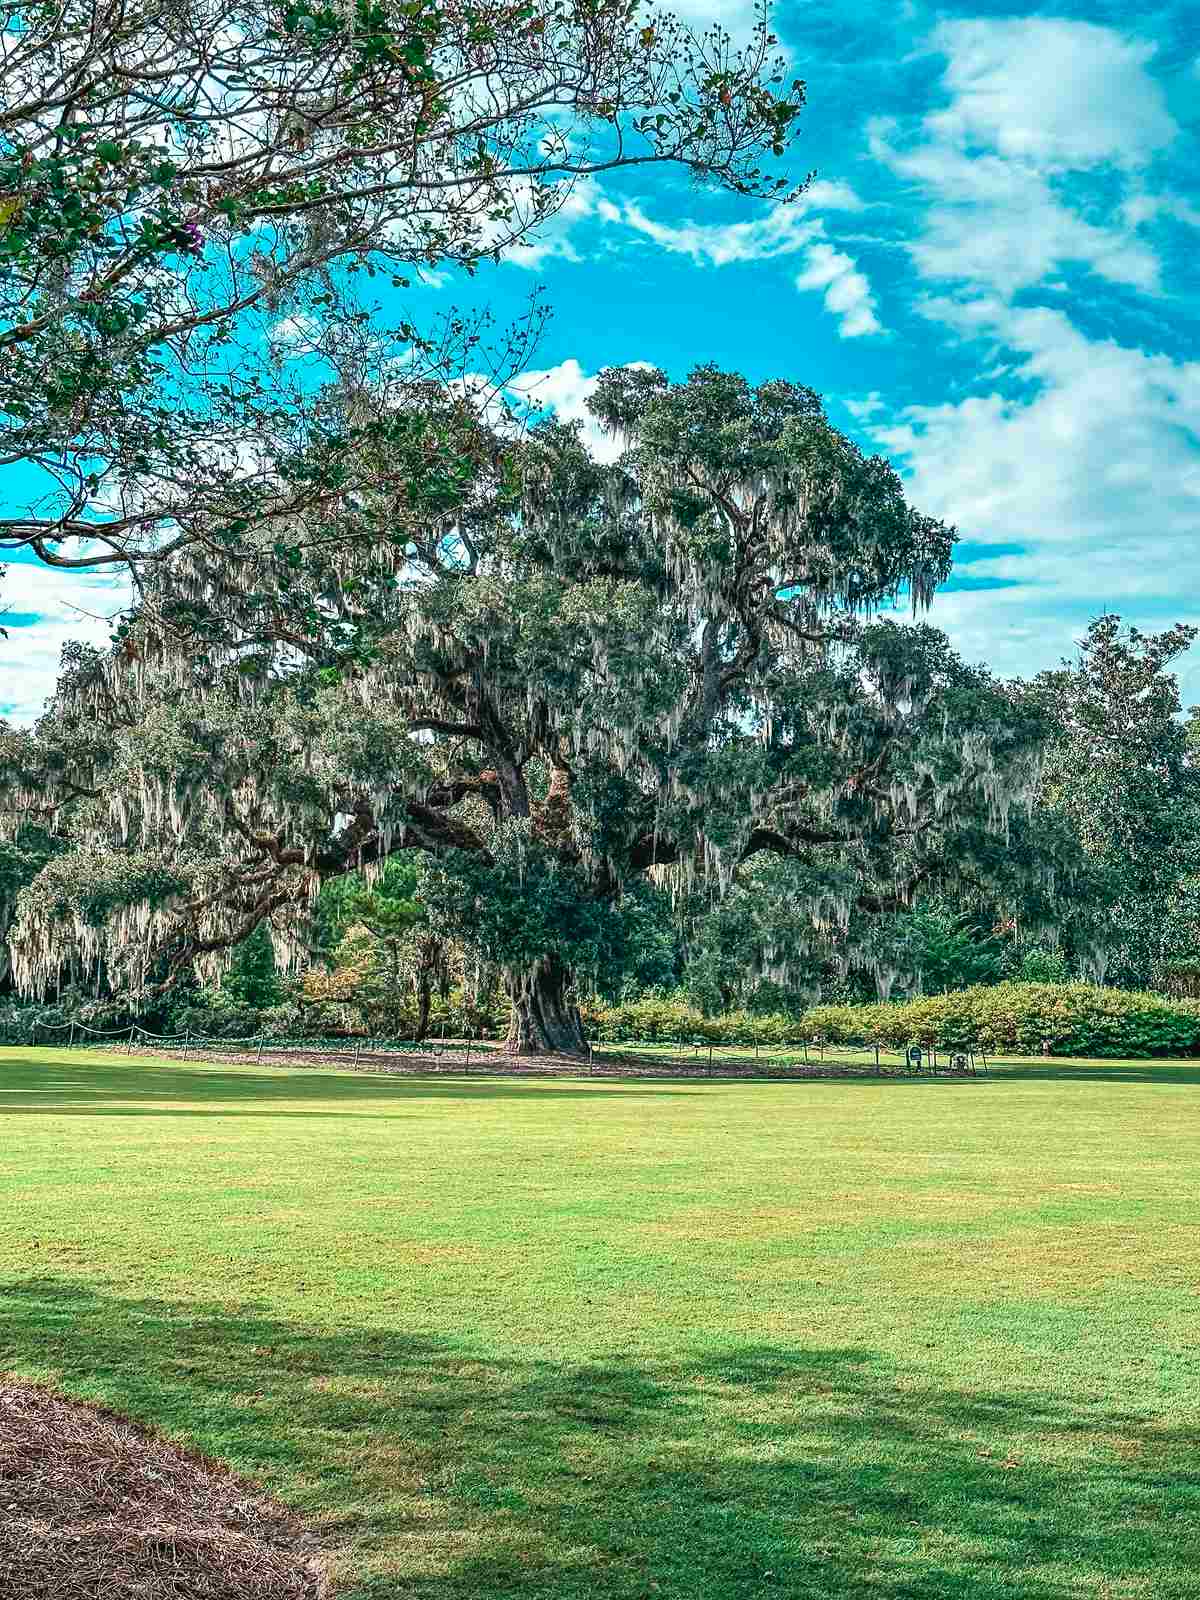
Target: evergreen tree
(1121,773)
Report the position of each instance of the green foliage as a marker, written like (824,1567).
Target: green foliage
(1121,772)
(32,1022)
(943,951)
(213,1016)
(1075,1019)
(523,901)
(21,859)
(1038,965)
(667,669)
(655,1020)
(252,980)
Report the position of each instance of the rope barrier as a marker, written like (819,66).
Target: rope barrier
(913,1061)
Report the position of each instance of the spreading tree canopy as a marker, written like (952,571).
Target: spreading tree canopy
(184,184)
(576,678)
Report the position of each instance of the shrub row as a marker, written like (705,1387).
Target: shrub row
(1005,1018)
(1072,1019)
(664,1021)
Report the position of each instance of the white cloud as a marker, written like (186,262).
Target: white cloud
(998,221)
(299,334)
(67,606)
(847,293)
(783,230)
(1057,92)
(565,389)
(551,238)
(1074,461)
(1094,471)
(1030,104)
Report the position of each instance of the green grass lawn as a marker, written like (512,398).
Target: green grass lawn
(645,1339)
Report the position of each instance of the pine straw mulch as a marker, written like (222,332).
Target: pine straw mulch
(94,1507)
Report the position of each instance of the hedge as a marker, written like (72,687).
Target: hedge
(1004,1018)
(663,1021)
(1071,1019)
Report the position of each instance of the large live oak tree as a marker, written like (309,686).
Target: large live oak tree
(577,677)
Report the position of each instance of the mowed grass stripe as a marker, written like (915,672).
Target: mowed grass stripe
(652,1339)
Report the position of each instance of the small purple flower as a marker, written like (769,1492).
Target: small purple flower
(192,237)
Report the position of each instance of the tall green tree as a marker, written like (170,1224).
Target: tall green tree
(252,978)
(399,952)
(661,669)
(1120,772)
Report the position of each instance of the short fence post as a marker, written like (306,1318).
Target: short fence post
(710,1048)
(877,1055)
(357,1050)
(187,1039)
(804,1047)
(258,1057)
(72,1044)
(129,1041)
(468,1066)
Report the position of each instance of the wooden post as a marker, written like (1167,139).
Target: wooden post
(258,1057)
(129,1041)
(357,1050)
(804,1047)
(187,1039)
(468,1068)
(72,1044)
(710,1048)
(877,1055)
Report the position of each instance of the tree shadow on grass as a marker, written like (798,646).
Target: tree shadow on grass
(444,1472)
(1141,1072)
(32,1087)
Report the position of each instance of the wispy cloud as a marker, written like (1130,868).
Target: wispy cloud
(848,295)
(783,230)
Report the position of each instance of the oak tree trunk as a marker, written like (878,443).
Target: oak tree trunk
(424,997)
(544,1020)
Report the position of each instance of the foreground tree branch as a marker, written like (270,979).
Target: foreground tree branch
(194,195)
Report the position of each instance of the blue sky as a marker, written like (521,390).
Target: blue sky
(993,280)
